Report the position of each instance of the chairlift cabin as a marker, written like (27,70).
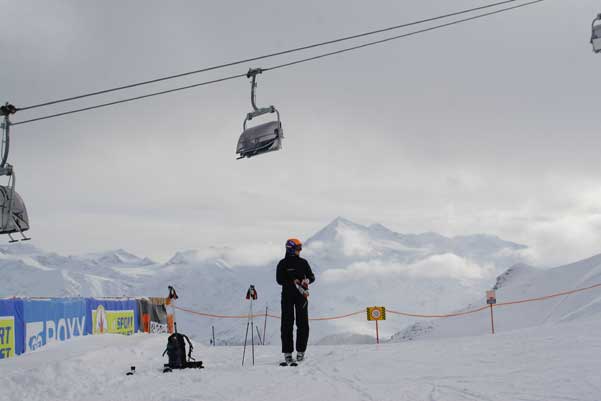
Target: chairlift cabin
(596,34)
(262,138)
(13,213)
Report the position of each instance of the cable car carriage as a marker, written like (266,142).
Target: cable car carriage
(13,213)
(596,34)
(262,138)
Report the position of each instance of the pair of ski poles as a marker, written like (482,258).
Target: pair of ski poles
(251,295)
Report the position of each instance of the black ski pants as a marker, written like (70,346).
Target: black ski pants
(294,305)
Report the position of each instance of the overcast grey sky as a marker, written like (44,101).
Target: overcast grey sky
(491,126)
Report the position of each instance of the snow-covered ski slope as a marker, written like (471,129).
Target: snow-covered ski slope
(518,283)
(558,361)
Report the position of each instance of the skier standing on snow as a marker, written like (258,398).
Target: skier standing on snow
(294,275)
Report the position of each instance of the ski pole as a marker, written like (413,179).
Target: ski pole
(265,326)
(251,295)
(252,331)
(245,338)
(259,335)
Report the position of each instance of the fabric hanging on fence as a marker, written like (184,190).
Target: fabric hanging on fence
(153,316)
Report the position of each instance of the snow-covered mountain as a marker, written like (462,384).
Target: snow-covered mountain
(523,282)
(343,242)
(29,271)
(356,266)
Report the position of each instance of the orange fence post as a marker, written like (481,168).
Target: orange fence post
(491,299)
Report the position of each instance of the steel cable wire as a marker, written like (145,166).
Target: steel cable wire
(268,55)
(288,64)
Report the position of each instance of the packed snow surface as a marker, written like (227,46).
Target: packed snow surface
(559,361)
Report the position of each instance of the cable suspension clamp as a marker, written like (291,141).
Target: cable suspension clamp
(6,170)
(7,110)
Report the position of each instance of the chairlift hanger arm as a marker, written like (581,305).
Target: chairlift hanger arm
(6,111)
(252,73)
(257,111)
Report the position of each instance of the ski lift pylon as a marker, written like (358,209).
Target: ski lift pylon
(13,213)
(262,138)
(596,34)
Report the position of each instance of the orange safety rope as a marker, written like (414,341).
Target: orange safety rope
(338,317)
(542,298)
(217,316)
(437,316)
(559,294)
(261,315)
(521,301)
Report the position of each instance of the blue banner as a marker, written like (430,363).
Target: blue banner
(11,328)
(112,316)
(50,320)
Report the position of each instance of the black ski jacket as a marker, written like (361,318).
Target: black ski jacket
(291,268)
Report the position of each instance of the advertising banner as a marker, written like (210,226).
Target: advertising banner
(111,316)
(7,337)
(11,328)
(153,316)
(49,320)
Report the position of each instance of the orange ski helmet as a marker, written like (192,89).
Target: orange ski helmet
(293,245)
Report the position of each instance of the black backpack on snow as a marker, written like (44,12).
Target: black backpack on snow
(176,352)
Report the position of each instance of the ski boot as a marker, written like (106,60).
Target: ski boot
(288,360)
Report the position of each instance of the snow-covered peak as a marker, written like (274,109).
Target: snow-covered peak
(513,274)
(331,232)
(117,257)
(484,243)
(183,257)
(192,257)
(377,227)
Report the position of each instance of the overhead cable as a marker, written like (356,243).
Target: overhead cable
(280,53)
(296,62)
(377,42)
(129,99)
